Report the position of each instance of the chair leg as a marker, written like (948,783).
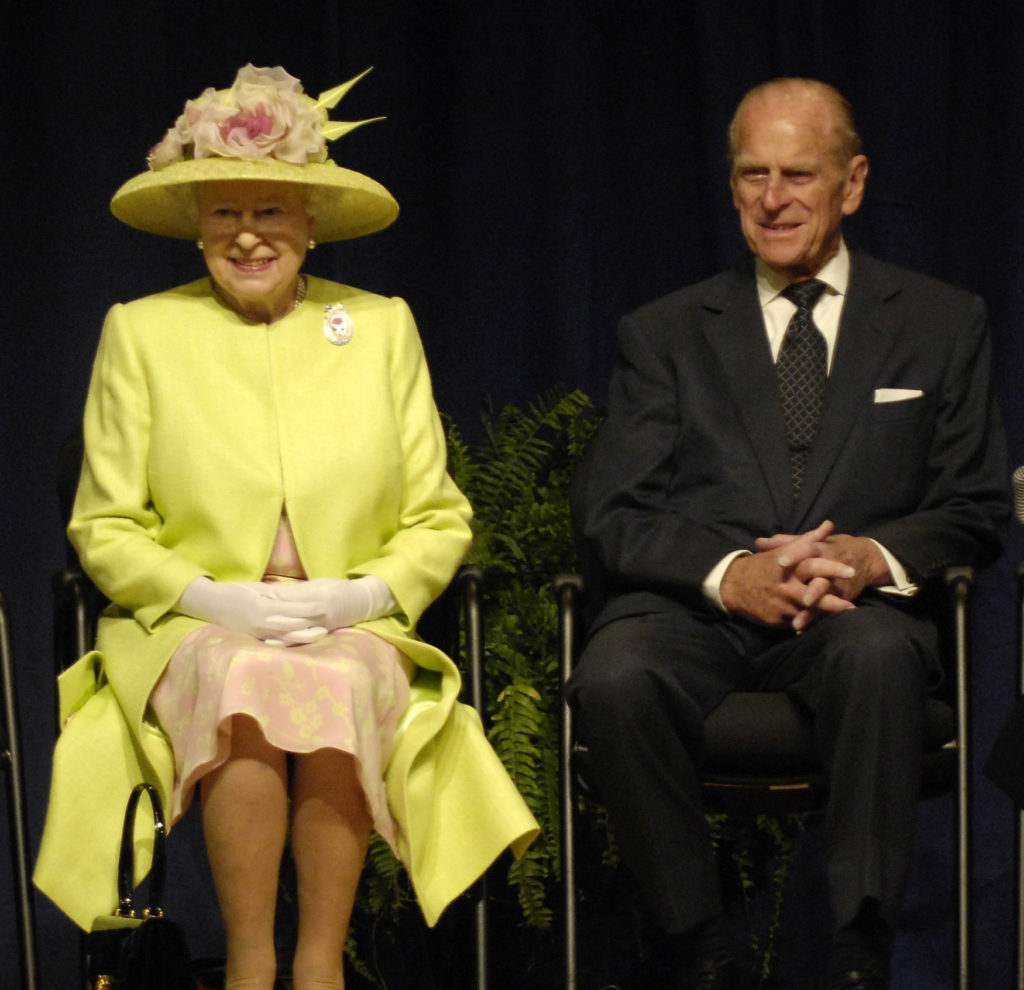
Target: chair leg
(17,811)
(470,580)
(1020,814)
(960,580)
(1020,900)
(567,590)
(480,929)
(569,921)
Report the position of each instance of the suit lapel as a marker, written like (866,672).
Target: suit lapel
(866,331)
(734,330)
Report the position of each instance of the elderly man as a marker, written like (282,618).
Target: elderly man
(792,449)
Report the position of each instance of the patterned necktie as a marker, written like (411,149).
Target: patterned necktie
(802,369)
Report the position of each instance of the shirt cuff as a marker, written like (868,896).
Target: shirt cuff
(711,586)
(902,585)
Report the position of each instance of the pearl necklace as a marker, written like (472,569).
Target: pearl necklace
(300,293)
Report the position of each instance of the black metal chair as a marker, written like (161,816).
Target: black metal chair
(761,757)
(10,758)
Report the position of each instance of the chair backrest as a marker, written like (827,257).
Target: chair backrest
(77,602)
(594,587)
(69,466)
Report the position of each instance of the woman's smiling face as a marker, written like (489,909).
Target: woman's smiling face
(254,237)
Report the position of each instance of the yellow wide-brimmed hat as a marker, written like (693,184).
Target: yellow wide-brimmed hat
(263,128)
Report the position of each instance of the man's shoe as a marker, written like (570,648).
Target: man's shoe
(722,972)
(859,956)
(860,980)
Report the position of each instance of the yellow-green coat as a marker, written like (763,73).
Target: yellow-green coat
(199,426)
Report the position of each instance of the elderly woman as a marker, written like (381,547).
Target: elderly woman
(264,500)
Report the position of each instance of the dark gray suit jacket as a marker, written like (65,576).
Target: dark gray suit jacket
(692,460)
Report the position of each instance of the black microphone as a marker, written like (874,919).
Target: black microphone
(1018,493)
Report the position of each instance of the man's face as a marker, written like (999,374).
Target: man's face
(787,185)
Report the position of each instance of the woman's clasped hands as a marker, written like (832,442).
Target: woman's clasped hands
(287,613)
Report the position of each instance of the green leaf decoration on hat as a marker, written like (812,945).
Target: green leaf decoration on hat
(327,100)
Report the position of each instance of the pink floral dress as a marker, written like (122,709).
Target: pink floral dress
(345,691)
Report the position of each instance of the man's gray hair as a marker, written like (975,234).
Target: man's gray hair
(847,140)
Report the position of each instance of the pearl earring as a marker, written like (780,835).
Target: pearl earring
(310,244)
(200,244)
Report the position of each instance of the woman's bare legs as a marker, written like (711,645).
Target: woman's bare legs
(330,832)
(245,808)
(245,815)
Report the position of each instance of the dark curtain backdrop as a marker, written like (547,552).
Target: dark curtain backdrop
(557,164)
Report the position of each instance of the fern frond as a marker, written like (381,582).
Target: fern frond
(384,878)
(517,480)
(528,874)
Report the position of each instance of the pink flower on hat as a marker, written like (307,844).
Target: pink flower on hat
(168,149)
(265,114)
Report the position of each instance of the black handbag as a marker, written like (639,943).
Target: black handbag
(126,951)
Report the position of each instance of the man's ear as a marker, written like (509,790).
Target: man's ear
(853,187)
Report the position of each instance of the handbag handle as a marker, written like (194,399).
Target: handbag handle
(126,860)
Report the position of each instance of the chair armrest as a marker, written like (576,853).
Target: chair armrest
(959,582)
(572,754)
(76,605)
(960,576)
(467,586)
(568,589)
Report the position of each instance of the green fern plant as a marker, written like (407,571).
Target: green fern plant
(760,848)
(517,480)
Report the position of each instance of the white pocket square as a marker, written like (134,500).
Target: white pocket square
(897,394)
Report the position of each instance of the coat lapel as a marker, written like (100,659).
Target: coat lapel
(734,330)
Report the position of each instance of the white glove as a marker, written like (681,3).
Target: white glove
(247,606)
(337,602)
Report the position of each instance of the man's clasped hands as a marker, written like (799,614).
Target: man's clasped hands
(794,579)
